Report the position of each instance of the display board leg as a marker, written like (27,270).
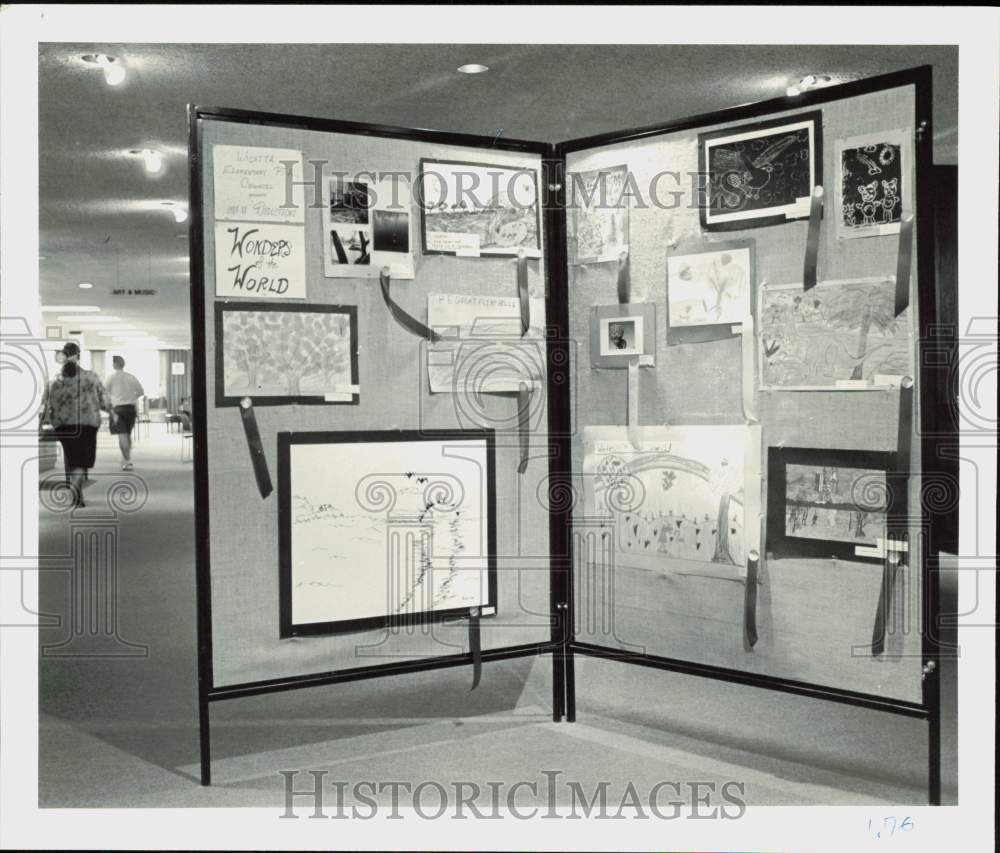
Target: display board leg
(934,746)
(205,741)
(570,685)
(558,686)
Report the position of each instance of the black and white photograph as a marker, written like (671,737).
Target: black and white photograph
(470,428)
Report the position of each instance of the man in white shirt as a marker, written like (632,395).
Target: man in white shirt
(125,391)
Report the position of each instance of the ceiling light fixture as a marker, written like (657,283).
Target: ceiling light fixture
(152,160)
(473,68)
(79,309)
(114,71)
(179,210)
(85,285)
(810,81)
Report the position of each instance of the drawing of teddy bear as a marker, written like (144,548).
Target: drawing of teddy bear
(869,204)
(889,199)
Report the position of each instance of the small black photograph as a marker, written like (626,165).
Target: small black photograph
(391,231)
(350,246)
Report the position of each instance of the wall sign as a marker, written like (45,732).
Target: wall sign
(251,183)
(260,261)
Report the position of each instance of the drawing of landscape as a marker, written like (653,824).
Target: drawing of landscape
(680,498)
(598,221)
(833,332)
(368,544)
(839,504)
(285,353)
(496,204)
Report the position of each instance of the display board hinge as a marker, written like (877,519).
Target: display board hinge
(920,132)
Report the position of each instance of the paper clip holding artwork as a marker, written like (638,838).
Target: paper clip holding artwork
(285,353)
(678,504)
(403,531)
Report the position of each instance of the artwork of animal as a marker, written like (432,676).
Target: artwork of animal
(868,205)
(890,199)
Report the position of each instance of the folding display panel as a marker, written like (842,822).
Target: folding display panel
(828,365)
(301,332)
(746,506)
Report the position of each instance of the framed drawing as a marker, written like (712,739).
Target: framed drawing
(687,501)
(828,503)
(278,354)
(621,333)
(873,184)
(760,174)
(473,209)
(840,335)
(711,287)
(384,528)
(597,225)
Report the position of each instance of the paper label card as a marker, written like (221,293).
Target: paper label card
(258,184)
(259,260)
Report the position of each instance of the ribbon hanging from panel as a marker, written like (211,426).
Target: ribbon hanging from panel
(624,283)
(408,322)
(633,404)
(475,647)
(750,600)
(524,392)
(522,291)
(903,260)
(257,458)
(747,352)
(812,239)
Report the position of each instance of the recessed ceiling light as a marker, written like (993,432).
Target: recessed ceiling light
(179,210)
(473,68)
(113,68)
(85,285)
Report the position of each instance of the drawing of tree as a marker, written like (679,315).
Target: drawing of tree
(244,343)
(303,344)
(847,315)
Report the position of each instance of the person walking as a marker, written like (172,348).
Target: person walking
(125,391)
(72,405)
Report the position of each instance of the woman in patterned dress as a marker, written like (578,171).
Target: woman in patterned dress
(72,405)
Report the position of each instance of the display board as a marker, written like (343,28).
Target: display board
(655,396)
(718,233)
(291,316)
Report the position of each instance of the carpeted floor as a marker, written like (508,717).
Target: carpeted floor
(118,711)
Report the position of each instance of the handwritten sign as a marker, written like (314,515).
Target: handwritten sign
(260,261)
(258,184)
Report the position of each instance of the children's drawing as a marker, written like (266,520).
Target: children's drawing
(378,527)
(835,503)
(680,498)
(598,215)
(835,332)
(760,174)
(282,354)
(476,208)
(710,288)
(873,179)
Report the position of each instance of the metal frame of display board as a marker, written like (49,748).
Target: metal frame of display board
(557,351)
(930,706)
